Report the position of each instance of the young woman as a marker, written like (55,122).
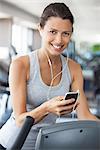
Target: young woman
(39,80)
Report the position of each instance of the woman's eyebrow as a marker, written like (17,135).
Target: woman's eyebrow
(62,31)
(53,29)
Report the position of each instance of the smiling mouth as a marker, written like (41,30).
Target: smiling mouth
(57,47)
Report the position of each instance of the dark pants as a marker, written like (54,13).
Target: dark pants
(1,147)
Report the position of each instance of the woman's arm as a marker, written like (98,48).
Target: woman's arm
(18,89)
(82,109)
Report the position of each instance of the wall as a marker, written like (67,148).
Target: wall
(5,32)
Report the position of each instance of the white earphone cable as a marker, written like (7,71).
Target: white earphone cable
(53,78)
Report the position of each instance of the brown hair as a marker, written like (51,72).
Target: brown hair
(56,10)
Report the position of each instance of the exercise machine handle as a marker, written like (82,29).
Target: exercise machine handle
(29,121)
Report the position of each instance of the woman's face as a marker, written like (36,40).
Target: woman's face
(56,35)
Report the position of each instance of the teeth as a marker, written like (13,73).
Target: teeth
(55,46)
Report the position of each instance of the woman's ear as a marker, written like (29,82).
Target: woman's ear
(40,29)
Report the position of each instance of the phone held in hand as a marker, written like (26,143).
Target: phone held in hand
(73,95)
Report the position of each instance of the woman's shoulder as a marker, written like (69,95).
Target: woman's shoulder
(20,64)
(73,64)
(75,68)
(20,61)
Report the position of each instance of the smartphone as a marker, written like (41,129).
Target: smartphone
(70,95)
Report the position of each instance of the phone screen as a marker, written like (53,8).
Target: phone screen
(71,95)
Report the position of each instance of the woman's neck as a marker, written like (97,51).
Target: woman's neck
(45,55)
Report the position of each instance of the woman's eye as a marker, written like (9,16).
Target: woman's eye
(66,34)
(53,32)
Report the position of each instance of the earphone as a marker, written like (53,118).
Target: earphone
(53,77)
(50,64)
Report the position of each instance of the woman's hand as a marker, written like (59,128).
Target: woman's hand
(59,106)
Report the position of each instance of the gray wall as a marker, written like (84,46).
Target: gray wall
(5,32)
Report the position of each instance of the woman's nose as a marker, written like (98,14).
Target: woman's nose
(58,38)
